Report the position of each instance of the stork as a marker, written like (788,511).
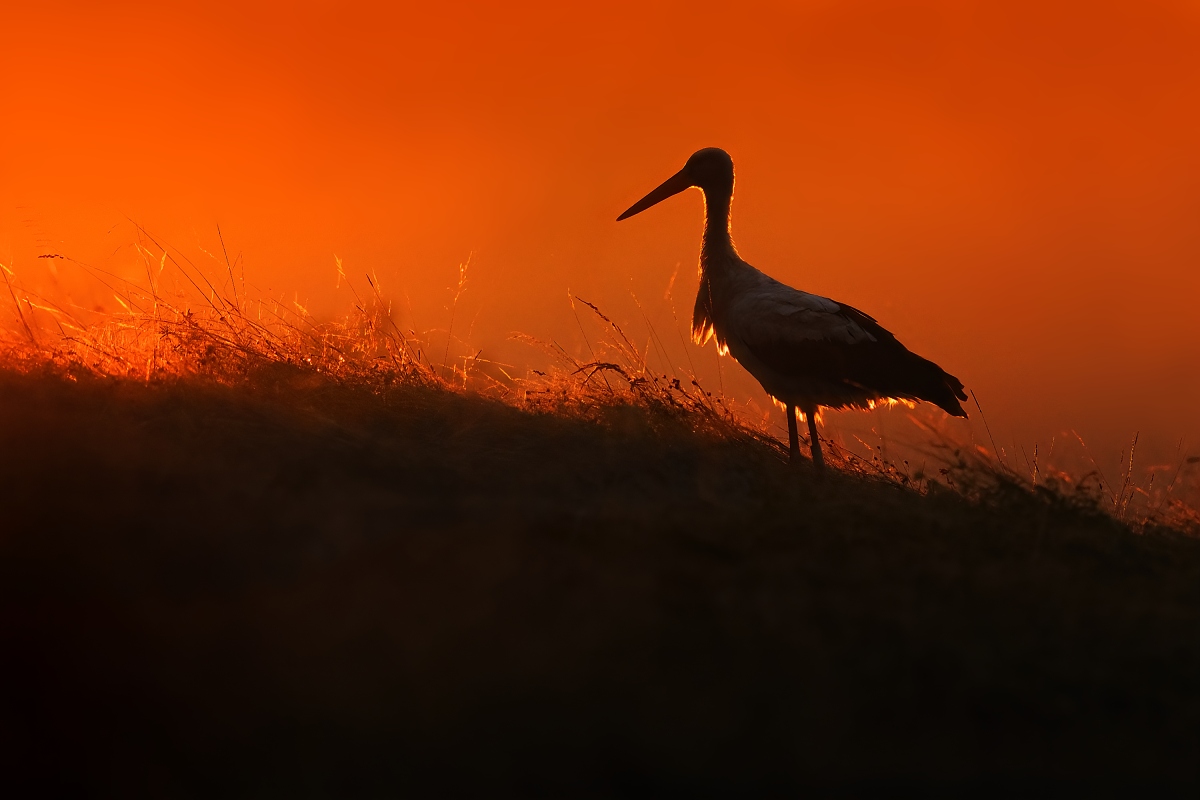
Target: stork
(807,351)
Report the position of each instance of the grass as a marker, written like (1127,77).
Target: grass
(248,555)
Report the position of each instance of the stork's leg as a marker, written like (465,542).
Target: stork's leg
(814,440)
(793,437)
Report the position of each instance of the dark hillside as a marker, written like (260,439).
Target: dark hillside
(295,588)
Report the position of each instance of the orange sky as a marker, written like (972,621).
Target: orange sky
(1013,187)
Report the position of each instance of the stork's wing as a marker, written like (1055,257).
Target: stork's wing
(795,333)
(777,315)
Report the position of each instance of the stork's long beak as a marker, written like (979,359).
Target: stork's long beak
(669,188)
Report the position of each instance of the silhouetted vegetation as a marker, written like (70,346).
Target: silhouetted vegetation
(271,557)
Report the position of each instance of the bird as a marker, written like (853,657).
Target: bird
(808,352)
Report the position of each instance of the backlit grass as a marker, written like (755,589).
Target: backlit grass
(246,552)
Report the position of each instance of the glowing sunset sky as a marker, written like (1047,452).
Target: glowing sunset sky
(1013,188)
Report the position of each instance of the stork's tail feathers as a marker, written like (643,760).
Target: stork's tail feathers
(895,371)
(951,404)
(948,392)
(929,382)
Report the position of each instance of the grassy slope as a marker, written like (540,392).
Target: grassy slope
(295,585)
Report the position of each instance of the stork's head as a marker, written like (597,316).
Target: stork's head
(710,170)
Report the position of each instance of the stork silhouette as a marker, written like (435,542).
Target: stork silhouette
(807,351)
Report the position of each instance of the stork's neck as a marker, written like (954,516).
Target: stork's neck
(718,241)
(718,263)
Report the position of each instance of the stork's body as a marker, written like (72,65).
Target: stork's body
(807,351)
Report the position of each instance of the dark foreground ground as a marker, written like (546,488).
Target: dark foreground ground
(296,590)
